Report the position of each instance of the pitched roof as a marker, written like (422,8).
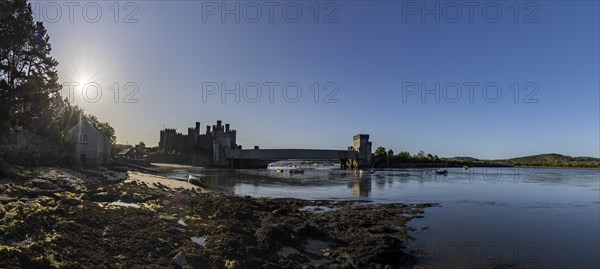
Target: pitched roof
(90,124)
(126,151)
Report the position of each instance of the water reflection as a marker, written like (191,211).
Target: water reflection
(400,185)
(223,180)
(556,209)
(360,185)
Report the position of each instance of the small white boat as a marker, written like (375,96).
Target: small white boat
(194,180)
(361,172)
(370,171)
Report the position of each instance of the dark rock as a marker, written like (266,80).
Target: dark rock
(41,184)
(70,200)
(179,260)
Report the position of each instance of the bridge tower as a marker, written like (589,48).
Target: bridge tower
(363,146)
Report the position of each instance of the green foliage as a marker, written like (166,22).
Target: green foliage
(404,156)
(28,75)
(541,160)
(107,130)
(103,127)
(553,159)
(380,152)
(141,147)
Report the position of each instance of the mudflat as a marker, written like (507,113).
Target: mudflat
(59,218)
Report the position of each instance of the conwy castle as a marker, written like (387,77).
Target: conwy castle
(218,147)
(208,148)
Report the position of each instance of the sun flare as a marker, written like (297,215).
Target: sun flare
(83,79)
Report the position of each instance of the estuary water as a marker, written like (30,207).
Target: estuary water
(524,217)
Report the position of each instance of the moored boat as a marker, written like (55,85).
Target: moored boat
(296,171)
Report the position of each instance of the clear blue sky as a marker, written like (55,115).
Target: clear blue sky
(371,51)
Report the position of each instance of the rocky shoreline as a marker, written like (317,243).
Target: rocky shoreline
(59,218)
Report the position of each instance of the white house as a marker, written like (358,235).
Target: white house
(91,146)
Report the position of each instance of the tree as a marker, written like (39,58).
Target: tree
(380,152)
(108,131)
(404,155)
(103,127)
(28,76)
(93,120)
(141,145)
(71,115)
(390,156)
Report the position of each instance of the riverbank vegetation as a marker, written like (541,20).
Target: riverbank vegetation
(387,158)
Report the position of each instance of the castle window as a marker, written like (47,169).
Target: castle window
(83,138)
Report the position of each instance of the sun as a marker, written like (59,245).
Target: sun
(84,73)
(84,66)
(81,82)
(83,78)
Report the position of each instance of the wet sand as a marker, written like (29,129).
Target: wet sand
(56,218)
(172,165)
(156,181)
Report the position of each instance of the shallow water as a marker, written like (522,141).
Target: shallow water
(539,218)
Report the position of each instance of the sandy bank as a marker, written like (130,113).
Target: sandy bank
(173,165)
(155,181)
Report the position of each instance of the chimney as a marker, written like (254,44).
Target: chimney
(218,124)
(227,127)
(207,129)
(197,126)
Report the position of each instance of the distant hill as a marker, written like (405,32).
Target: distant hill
(554,159)
(471,159)
(548,159)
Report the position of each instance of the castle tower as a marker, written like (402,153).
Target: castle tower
(363,146)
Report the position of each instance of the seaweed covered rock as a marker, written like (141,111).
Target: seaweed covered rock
(121,225)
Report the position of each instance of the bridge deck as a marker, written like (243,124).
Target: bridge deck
(282,154)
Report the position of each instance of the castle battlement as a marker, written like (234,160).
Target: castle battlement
(220,137)
(217,145)
(359,136)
